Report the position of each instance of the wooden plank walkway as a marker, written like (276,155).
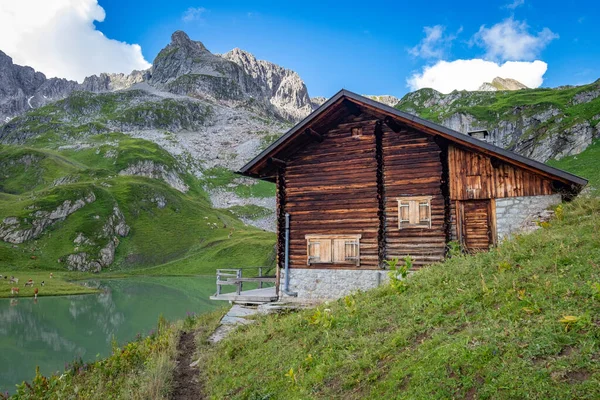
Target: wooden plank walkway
(255,296)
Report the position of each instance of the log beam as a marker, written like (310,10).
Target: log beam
(392,124)
(276,162)
(313,134)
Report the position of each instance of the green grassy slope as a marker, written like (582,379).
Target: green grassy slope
(484,326)
(187,234)
(585,164)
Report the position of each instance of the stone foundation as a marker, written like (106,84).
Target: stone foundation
(521,214)
(324,284)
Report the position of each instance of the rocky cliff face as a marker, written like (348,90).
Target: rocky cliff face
(283,87)
(539,123)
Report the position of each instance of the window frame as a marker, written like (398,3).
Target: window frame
(350,260)
(406,202)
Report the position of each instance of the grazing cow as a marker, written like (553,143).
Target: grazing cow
(42,283)
(14,291)
(35,293)
(29,283)
(51,275)
(13,279)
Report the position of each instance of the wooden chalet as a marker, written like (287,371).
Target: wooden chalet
(359,182)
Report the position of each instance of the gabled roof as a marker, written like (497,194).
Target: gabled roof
(251,168)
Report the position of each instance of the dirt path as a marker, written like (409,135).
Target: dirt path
(186,379)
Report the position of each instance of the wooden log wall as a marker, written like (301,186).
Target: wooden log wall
(331,188)
(475,176)
(413,167)
(280,201)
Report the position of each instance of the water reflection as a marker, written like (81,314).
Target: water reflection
(52,331)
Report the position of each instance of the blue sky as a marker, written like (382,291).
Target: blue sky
(374,47)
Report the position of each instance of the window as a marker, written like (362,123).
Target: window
(357,132)
(414,212)
(333,249)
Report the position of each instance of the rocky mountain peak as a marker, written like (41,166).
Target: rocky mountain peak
(5,59)
(499,83)
(284,87)
(181,39)
(385,99)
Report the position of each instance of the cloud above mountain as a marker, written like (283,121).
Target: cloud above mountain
(445,76)
(510,51)
(58,38)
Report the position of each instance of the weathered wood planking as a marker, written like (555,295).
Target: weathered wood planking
(412,167)
(331,188)
(477,225)
(474,176)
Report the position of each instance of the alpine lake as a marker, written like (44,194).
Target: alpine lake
(52,331)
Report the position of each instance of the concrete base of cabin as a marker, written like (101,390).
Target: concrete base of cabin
(323,284)
(521,214)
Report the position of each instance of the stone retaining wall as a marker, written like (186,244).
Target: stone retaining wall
(323,284)
(521,214)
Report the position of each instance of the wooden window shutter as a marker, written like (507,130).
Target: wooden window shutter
(314,251)
(351,251)
(337,249)
(424,213)
(414,212)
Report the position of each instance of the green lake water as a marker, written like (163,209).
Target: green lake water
(56,330)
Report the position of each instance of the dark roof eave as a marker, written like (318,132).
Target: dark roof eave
(574,179)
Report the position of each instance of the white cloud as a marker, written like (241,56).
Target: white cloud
(58,38)
(193,14)
(435,44)
(511,40)
(445,76)
(514,4)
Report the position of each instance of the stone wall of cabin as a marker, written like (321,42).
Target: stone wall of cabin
(521,214)
(322,284)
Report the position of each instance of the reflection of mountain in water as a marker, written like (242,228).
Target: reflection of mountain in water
(57,330)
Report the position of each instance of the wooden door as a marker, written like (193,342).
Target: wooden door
(477,224)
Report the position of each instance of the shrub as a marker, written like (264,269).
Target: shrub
(398,273)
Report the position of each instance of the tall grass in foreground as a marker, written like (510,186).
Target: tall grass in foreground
(522,321)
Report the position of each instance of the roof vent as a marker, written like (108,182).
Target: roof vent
(481,134)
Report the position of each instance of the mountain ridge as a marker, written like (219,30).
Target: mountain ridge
(183,67)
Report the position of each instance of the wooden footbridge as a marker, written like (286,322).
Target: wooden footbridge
(234,277)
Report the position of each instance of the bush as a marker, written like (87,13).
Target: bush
(399,273)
